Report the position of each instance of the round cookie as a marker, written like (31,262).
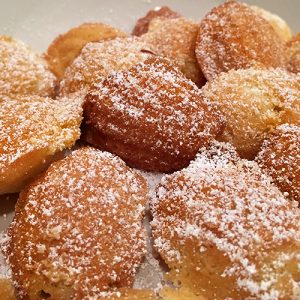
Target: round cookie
(97,60)
(280,158)
(77,232)
(253,102)
(151,116)
(66,47)
(175,39)
(23,72)
(279,25)
(33,130)
(225,231)
(233,36)
(142,25)
(292,53)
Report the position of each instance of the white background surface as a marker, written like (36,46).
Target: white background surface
(38,22)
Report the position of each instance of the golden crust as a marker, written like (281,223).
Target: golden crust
(279,25)
(233,36)
(142,25)
(77,232)
(151,116)
(134,294)
(66,47)
(98,60)
(23,72)
(253,102)
(292,53)
(175,39)
(6,289)
(280,158)
(32,131)
(225,231)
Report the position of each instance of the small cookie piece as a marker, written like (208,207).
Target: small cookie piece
(233,36)
(66,47)
(32,131)
(253,102)
(151,116)
(292,53)
(226,232)
(77,232)
(97,60)
(142,24)
(279,25)
(175,39)
(280,158)
(23,72)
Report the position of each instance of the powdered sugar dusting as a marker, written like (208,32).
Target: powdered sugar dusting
(98,60)
(280,158)
(230,204)
(32,124)
(5,271)
(23,71)
(253,102)
(153,106)
(80,225)
(176,39)
(233,36)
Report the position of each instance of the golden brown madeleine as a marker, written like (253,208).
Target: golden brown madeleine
(23,72)
(66,47)
(233,36)
(151,116)
(279,25)
(32,130)
(142,24)
(134,294)
(253,102)
(77,232)
(226,232)
(280,158)
(175,39)
(98,60)
(292,53)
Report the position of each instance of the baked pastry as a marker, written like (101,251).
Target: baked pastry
(134,294)
(253,102)
(233,36)
(77,232)
(66,47)
(151,116)
(280,158)
(142,24)
(23,72)
(6,289)
(279,25)
(175,39)
(33,130)
(292,53)
(226,232)
(98,60)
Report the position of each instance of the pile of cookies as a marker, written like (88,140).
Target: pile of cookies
(215,105)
